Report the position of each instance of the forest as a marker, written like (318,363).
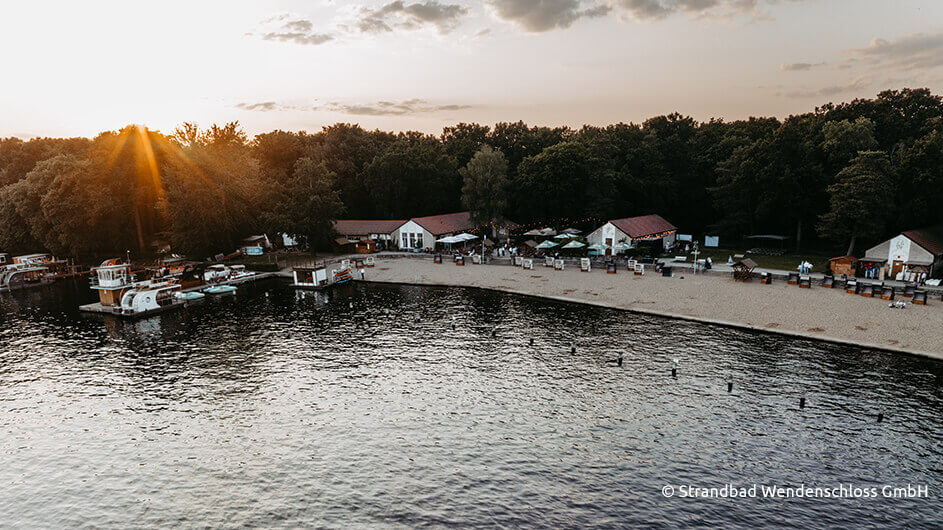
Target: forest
(838,177)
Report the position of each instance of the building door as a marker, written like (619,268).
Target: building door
(608,246)
(896,268)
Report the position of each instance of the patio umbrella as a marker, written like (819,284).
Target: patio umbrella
(547,244)
(449,239)
(598,246)
(573,231)
(574,244)
(621,246)
(564,236)
(534,232)
(465,237)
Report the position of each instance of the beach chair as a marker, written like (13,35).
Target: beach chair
(639,269)
(766,278)
(666,272)
(851,286)
(920,297)
(793,278)
(908,290)
(359,263)
(611,267)
(527,264)
(437,258)
(631,264)
(476,259)
(805,282)
(548,261)
(887,293)
(558,264)
(345,264)
(828,282)
(370,262)
(460,260)
(867,290)
(518,260)
(585,265)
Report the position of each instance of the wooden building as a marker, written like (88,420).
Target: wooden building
(843,265)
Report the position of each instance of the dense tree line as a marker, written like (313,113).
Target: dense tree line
(841,174)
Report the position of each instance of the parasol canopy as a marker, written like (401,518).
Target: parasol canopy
(547,244)
(574,244)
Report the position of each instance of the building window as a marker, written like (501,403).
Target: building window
(405,240)
(419,240)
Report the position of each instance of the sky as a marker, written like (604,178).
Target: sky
(78,68)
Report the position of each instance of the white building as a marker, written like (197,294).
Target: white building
(422,232)
(618,235)
(380,230)
(914,254)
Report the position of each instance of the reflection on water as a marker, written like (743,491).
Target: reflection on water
(278,408)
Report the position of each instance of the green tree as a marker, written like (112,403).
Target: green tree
(485,185)
(857,203)
(414,177)
(311,204)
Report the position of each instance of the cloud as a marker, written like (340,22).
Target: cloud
(799,67)
(264,106)
(832,90)
(390,108)
(537,16)
(917,51)
(710,9)
(398,14)
(295,30)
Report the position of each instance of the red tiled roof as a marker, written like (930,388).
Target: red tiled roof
(357,227)
(929,238)
(445,223)
(645,225)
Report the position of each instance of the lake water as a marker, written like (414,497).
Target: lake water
(280,410)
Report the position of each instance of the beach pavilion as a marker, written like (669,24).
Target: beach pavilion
(911,255)
(619,235)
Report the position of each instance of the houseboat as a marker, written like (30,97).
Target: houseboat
(22,276)
(120,295)
(309,277)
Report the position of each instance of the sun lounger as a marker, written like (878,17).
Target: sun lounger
(805,282)
(793,278)
(887,293)
(558,264)
(920,297)
(585,265)
(851,286)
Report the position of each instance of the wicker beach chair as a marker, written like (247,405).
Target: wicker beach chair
(920,297)
(558,265)
(437,258)
(828,282)
(887,293)
(585,265)
(805,281)
(793,278)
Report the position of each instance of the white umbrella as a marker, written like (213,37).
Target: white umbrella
(547,244)
(574,244)
(564,236)
(465,237)
(449,239)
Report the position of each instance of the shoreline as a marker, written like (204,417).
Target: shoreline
(698,300)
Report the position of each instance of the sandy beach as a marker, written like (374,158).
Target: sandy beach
(828,314)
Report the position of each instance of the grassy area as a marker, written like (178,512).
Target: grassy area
(788,261)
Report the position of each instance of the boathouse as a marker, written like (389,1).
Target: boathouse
(618,235)
(911,255)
